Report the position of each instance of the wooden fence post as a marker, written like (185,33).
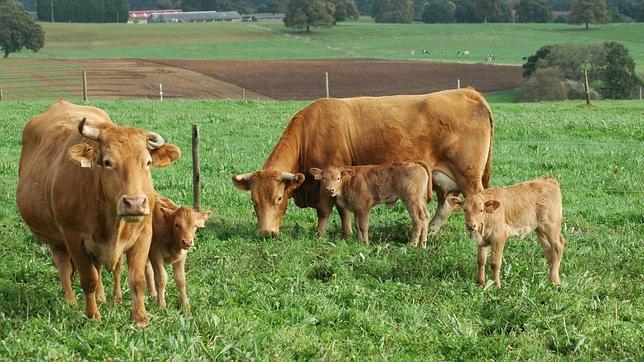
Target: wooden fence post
(243,94)
(640,93)
(196,173)
(160,91)
(587,88)
(326,76)
(2,95)
(84,73)
(458,84)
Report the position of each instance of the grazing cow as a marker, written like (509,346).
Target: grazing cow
(493,215)
(174,230)
(86,191)
(360,188)
(466,52)
(450,130)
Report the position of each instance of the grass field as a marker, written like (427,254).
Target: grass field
(301,297)
(271,40)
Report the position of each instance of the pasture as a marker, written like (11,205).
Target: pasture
(300,296)
(347,40)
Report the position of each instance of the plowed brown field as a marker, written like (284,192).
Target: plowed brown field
(303,80)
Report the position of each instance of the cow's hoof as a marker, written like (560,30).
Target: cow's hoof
(71,300)
(93,315)
(118,299)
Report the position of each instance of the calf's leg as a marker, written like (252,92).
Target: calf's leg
(497,258)
(481,260)
(117,293)
(552,241)
(160,278)
(149,279)
(444,187)
(345,218)
(180,281)
(100,289)
(362,224)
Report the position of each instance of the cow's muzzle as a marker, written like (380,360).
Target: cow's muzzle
(274,231)
(186,244)
(133,208)
(471,227)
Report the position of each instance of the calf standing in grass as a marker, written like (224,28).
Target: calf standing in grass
(493,215)
(173,233)
(360,188)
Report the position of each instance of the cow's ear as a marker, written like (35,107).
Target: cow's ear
(348,172)
(317,173)
(242,182)
(296,182)
(455,202)
(82,154)
(165,155)
(202,216)
(491,205)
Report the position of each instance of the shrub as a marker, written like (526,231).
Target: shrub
(546,84)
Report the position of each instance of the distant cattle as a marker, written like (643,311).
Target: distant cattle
(85,190)
(450,130)
(493,215)
(359,188)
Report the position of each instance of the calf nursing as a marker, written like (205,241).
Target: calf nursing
(360,188)
(493,215)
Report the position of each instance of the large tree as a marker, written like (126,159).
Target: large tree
(534,11)
(393,11)
(618,74)
(439,11)
(303,14)
(588,12)
(488,9)
(18,30)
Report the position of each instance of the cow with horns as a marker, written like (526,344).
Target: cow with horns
(85,189)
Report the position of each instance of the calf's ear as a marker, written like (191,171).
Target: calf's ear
(165,155)
(82,154)
(296,182)
(348,172)
(491,205)
(242,182)
(316,172)
(202,216)
(455,202)
(167,213)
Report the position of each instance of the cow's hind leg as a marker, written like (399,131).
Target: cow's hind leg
(64,266)
(100,288)
(362,224)
(552,242)
(418,213)
(149,279)
(444,187)
(117,293)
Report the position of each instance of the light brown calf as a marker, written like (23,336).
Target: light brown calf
(493,215)
(173,234)
(360,188)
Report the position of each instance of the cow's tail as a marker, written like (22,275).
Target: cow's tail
(429,179)
(488,164)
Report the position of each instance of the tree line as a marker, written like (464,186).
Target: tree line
(83,11)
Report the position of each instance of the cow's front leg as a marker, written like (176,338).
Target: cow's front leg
(481,260)
(86,271)
(136,258)
(160,277)
(100,288)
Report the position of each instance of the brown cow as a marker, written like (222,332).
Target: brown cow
(493,215)
(450,130)
(174,230)
(359,188)
(85,189)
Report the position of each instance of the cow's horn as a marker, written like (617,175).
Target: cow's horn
(87,131)
(155,140)
(287,176)
(243,177)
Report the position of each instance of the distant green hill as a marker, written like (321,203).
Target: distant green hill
(271,40)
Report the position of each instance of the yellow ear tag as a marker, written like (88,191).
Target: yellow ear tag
(85,163)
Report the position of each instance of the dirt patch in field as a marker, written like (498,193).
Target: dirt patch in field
(349,78)
(29,79)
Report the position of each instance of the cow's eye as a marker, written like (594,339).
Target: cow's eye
(279,199)
(107,163)
(148,164)
(338,178)
(176,225)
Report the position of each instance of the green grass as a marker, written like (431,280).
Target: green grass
(304,297)
(271,40)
